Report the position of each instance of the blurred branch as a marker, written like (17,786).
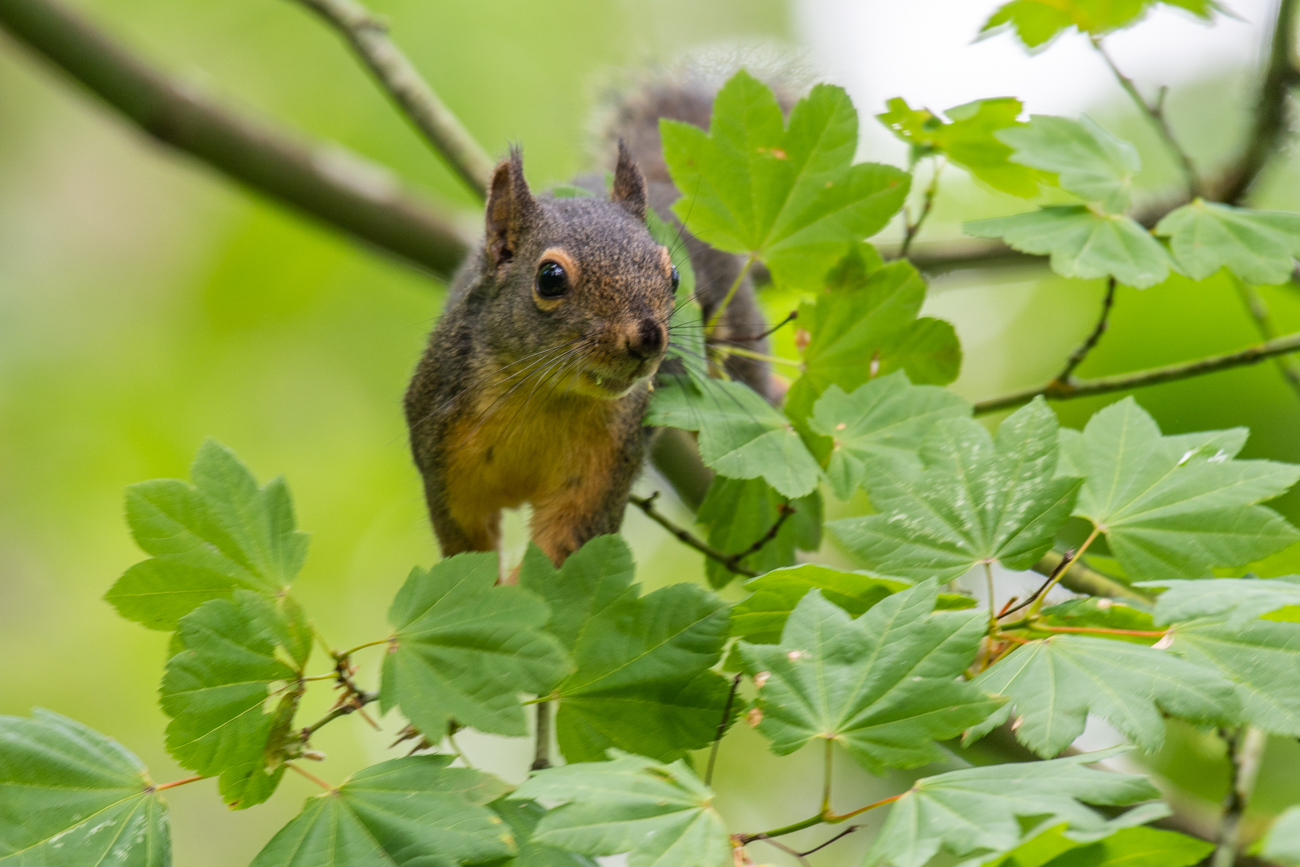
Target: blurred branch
(1271,121)
(1155,111)
(1056,390)
(403,82)
(1259,312)
(319,179)
(1245,752)
(1076,358)
(1081,579)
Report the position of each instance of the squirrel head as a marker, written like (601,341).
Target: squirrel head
(576,289)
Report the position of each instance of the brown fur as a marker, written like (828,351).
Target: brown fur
(525,399)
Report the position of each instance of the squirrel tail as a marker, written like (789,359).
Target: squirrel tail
(630,112)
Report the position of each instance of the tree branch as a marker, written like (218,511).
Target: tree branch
(730,561)
(1271,108)
(1245,752)
(1076,358)
(1259,312)
(1103,385)
(319,179)
(368,36)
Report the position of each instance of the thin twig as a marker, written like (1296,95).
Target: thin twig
(931,191)
(1259,312)
(1052,578)
(346,706)
(174,783)
(722,729)
(1081,579)
(793,853)
(402,81)
(1142,378)
(840,836)
(1103,322)
(319,179)
(1156,112)
(309,775)
(1245,752)
(730,561)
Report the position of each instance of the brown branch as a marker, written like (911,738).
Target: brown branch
(1081,579)
(1271,120)
(318,179)
(1076,358)
(1104,385)
(1259,312)
(729,561)
(368,36)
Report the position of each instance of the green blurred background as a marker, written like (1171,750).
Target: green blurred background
(145,304)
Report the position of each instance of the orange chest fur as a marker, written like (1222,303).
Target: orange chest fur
(508,452)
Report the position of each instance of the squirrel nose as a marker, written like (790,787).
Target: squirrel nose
(648,340)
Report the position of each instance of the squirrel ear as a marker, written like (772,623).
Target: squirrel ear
(511,209)
(629,184)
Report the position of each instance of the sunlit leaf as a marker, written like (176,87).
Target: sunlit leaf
(865,325)
(411,812)
(968,140)
(70,797)
(642,678)
(971,499)
(660,814)
(886,417)
(1082,243)
(522,818)
(1238,599)
(1257,246)
(1282,843)
(884,686)
(233,690)
(465,648)
(1037,22)
(1129,847)
(742,436)
(1087,160)
(1055,682)
(978,809)
(207,539)
(1173,507)
(788,195)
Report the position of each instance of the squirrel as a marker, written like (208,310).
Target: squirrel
(536,378)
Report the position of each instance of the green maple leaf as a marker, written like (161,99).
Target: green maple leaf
(968,140)
(70,797)
(760,617)
(1239,599)
(742,436)
(1260,657)
(740,512)
(1282,843)
(642,663)
(1054,683)
(884,686)
(410,812)
(979,809)
(221,534)
(660,814)
(886,417)
(1037,22)
(522,818)
(971,499)
(232,692)
(1128,847)
(1087,159)
(788,195)
(1082,243)
(1257,246)
(863,325)
(464,648)
(1175,506)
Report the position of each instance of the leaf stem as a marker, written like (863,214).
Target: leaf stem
(993,615)
(731,293)
(730,561)
(345,654)
(749,353)
(1245,751)
(1103,630)
(309,775)
(825,818)
(722,730)
(1052,580)
(395,73)
(1076,358)
(1155,111)
(828,767)
(931,191)
(1142,378)
(174,783)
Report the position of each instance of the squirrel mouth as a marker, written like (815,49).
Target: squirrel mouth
(608,385)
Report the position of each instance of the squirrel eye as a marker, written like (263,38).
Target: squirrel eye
(552,282)
(677,278)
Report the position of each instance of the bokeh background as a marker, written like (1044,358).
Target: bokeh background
(146,304)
